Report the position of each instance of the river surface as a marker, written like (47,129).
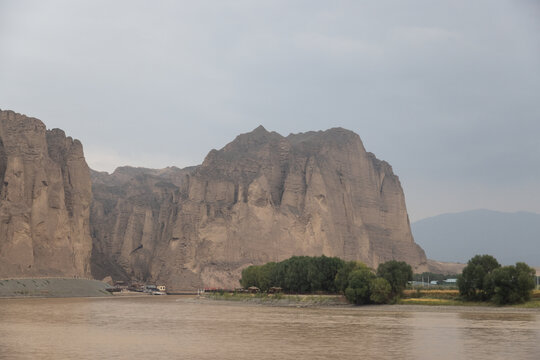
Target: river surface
(186,328)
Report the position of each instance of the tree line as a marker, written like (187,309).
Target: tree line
(305,274)
(484,279)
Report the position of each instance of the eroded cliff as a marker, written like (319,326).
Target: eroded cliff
(263,197)
(45,196)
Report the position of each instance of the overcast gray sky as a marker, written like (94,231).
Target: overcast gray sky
(448,92)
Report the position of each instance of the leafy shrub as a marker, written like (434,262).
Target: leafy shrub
(381,291)
(359,289)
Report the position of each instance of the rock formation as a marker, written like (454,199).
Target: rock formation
(263,197)
(45,196)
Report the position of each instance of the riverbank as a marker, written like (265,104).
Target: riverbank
(428,299)
(532,304)
(279,299)
(52,288)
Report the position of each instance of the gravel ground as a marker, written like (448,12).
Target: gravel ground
(52,287)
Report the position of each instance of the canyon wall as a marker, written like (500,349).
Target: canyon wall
(263,197)
(45,196)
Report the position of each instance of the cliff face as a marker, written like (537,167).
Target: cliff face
(45,196)
(263,197)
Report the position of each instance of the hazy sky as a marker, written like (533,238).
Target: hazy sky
(448,92)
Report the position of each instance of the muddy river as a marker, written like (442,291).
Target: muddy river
(186,328)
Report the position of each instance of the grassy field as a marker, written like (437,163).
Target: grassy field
(448,294)
(451,298)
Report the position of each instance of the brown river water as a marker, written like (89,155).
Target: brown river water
(173,327)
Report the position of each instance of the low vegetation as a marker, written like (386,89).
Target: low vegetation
(448,294)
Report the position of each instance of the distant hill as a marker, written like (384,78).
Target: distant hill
(510,237)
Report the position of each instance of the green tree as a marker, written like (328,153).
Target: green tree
(472,282)
(250,276)
(526,277)
(295,274)
(266,277)
(511,284)
(397,273)
(381,291)
(341,281)
(359,288)
(322,271)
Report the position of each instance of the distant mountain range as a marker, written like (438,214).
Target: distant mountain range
(510,237)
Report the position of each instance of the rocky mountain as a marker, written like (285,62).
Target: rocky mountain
(45,196)
(263,197)
(510,237)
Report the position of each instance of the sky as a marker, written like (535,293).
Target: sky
(447,91)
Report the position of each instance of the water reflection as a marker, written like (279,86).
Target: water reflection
(175,327)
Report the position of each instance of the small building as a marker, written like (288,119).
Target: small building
(150,288)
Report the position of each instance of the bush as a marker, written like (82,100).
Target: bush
(397,273)
(341,281)
(359,289)
(381,291)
